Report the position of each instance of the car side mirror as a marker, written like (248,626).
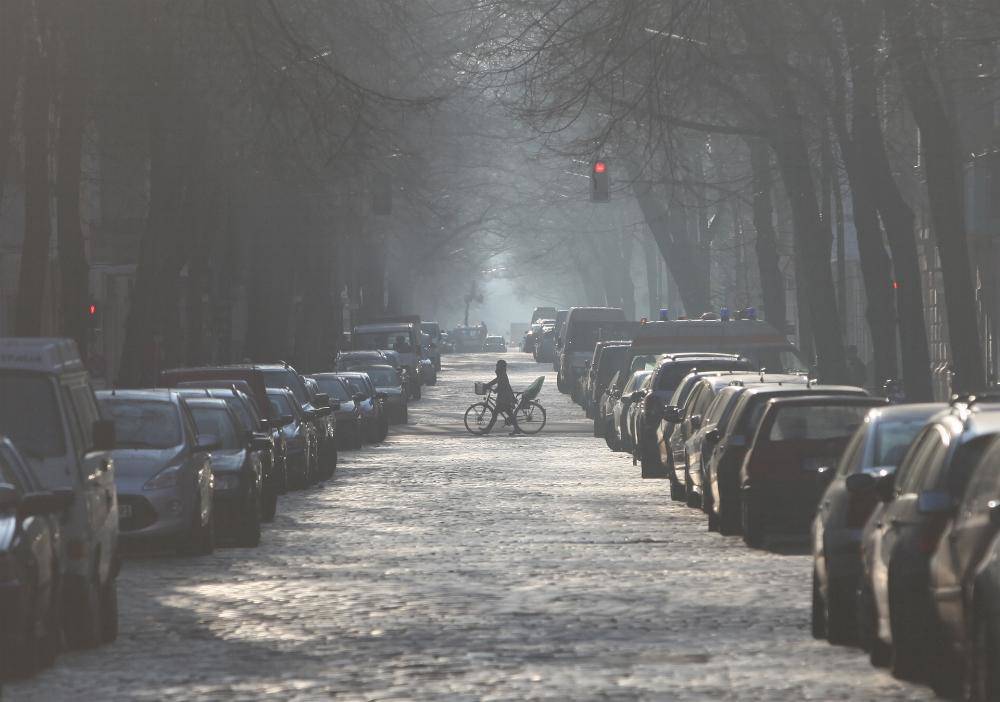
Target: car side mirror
(104,435)
(860,483)
(321,399)
(35,504)
(885,487)
(696,421)
(934,502)
(208,442)
(713,435)
(673,414)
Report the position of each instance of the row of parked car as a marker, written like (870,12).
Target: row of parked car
(901,503)
(86,476)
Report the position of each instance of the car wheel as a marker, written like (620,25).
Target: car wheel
(906,659)
(249,533)
(728,520)
(839,615)
(109,611)
(676,491)
(609,436)
(981,684)
(83,615)
(19,644)
(752,522)
(200,541)
(691,498)
(598,427)
(817,624)
(713,521)
(269,506)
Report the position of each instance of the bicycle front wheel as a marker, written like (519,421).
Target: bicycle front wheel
(479,418)
(531,418)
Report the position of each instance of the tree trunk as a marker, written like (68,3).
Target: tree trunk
(772,281)
(35,102)
(12,30)
(941,161)
(73,82)
(862,24)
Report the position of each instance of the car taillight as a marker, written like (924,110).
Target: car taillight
(930,532)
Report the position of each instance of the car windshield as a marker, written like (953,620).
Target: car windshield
(384,377)
(672,373)
(143,424)
(241,411)
(280,404)
(218,422)
(892,439)
(30,416)
(287,378)
(778,360)
(334,388)
(357,385)
(816,422)
(587,334)
(394,340)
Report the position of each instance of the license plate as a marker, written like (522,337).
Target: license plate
(124,511)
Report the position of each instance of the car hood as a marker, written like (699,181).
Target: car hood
(228,461)
(143,463)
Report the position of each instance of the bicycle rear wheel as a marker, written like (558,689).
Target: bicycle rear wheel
(531,418)
(479,418)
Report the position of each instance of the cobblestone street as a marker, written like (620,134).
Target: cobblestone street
(444,566)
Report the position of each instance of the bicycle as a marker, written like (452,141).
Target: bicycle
(528,416)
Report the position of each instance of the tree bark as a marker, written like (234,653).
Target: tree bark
(35,103)
(942,167)
(73,83)
(11,42)
(772,281)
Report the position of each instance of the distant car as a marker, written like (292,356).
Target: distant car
(164,470)
(237,481)
(792,457)
(620,413)
(350,424)
(49,411)
(373,409)
(874,451)
(495,343)
(388,383)
(30,547)
(357,360)
(299,435)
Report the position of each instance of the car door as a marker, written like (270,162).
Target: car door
(972,529)
(682,431)
(96,472)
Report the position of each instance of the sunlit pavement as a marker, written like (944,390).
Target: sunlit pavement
(445,566)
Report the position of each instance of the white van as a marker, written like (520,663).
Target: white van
(48,409)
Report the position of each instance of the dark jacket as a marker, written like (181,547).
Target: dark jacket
(505,395)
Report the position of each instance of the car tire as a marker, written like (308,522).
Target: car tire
(676,491)
(751,522)
(691,498)
(981,680)
(609,436)
(109,611)
(817,620)
(83,616)
(906,661)
(728,521)
(249,531)
(200,541)
(269,505)
(713,521)
(839,615)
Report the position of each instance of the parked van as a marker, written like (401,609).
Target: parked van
(49,412)
(577,338)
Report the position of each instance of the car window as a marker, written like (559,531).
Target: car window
(383,377)
(892,439)
(334,388)
(280,404)
(9,475)
(715,409)
(692,400)
(850,461)
(143,424)
(188,421)
(959,469)
(287,378)
(241,412)
(85,406)
(984,485)
(705,399)
(32,421)
(931,451)
(816,422)
(217,421)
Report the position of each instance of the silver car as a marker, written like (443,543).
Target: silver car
(164,476)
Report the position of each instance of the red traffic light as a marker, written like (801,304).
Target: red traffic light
(600,167)
(92,310)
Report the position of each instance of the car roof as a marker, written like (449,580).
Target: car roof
(907,412)
(778,388)
(206,402)
(149,395)
(827,399)
(44,355)
(708,356)
(280,391)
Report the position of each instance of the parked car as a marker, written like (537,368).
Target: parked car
(670,371)
(373,408)
(347,361)
(607,359)
(791,459)
(545,345)
(576,339)
(389,389)
(30,551)
(50,413)
(904,531)
(631,392)
(605,409)
(495,343)
(722,489)
(981,619)
(874,451)
(433,332)
(350,424)
(237,480)
(702,441)
(300,437)
(320,416)
(163,470)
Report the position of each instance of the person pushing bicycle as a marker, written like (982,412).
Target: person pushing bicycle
(506,402)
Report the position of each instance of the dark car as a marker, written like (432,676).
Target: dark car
(495,343)
(164,470)
(982,619)
(389,386)
(358,360)
(30,630)
(722,489)
(670,371)
(299,435)
(904,532)
(608,358)
(350,424)
(874,451)
(796,447)
(632,392)
(237,481)
(372,406)
(963,606)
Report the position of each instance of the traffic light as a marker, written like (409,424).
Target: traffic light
(93,314)
(600,190)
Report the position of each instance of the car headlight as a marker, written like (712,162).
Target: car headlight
(225,481)
(166,478)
